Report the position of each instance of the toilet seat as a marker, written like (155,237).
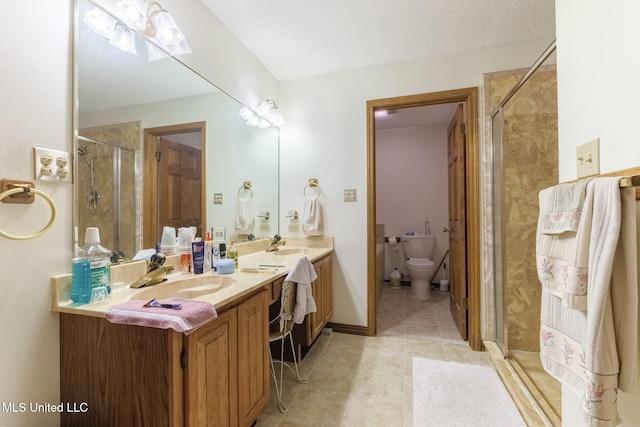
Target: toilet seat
(420,263)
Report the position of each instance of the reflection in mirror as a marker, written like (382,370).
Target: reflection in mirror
(130,110)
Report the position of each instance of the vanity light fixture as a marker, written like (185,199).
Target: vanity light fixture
(150,20)
(267,114)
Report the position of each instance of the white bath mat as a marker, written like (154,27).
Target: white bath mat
(458,395)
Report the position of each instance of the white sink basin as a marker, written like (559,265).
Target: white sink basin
(290,251)
(191,287)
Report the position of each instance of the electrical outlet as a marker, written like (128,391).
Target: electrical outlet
(217,198)
(350,195)
(52,165)
(588,159)
(219,234)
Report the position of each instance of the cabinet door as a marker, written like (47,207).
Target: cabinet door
(253,357)
(327,295)
(315,321)
(211,373)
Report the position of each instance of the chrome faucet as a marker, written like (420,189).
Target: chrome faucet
(155,273)
(275,242)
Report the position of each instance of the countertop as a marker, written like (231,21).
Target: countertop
(217,289)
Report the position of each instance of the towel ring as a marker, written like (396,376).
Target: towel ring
(309,186)
(246,187)
(44,196)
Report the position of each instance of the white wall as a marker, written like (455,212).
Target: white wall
(325,138)
(597,97)
(35,110)
(411,188)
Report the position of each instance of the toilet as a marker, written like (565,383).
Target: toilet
(418,248)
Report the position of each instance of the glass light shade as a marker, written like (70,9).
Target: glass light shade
(154,52)
(133,13)
(124,39)
(167,32)
(276,118)
(264,108)
(246,114)
(100,22)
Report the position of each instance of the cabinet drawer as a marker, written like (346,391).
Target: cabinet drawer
(276,287)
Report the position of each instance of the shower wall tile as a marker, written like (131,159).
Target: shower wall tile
(127,135)
(530,130)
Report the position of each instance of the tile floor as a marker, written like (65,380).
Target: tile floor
(367,381)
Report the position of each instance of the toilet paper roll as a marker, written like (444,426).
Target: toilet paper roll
(393,243)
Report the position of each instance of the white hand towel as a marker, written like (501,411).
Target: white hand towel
(312,217)
(303,274)
(245,215)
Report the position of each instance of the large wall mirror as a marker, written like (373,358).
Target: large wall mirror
(157,144)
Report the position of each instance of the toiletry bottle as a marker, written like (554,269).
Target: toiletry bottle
(100,263)
(215,256)
(232,253)
(80,274)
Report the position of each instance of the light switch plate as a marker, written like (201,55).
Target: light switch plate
(217,198)
(588,159)
(350,195)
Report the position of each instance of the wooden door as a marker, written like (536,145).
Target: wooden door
(180,186)
(457,220)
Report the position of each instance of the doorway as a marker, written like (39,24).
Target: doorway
(174,166)
(468,97)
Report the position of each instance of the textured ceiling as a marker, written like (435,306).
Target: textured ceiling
(303,38)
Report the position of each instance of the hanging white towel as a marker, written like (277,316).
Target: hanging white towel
(594,351)
(245,216)
(312,217)
(303,274)
(562,242)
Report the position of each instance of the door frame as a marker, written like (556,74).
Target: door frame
(150,176)
(469,96)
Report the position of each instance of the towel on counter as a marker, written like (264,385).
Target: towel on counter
(312,216)
(245,216)
(192,315)
(594,351)
(303,274)
(562,246)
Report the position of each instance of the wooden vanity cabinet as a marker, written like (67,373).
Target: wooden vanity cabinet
(227,368)
(136,376)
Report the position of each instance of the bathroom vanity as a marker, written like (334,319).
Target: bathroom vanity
(218,375)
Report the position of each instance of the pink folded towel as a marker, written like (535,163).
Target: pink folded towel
(192,315)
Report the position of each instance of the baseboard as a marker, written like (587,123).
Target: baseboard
(348,329)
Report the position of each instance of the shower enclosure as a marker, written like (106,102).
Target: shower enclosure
(524,137)
(108,194)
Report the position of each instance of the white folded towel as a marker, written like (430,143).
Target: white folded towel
(303,274)
(245,216)
(312,217)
